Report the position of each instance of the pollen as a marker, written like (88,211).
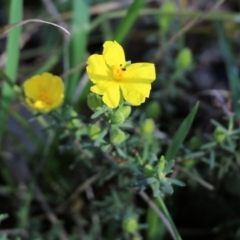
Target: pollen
(118,72)
(45,97)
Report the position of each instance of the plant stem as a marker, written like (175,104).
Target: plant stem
(167,214)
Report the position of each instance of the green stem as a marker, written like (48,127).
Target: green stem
(167,214)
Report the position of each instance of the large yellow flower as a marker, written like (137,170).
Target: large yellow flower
(44,92)
(113,76)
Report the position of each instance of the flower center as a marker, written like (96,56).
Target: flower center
(118,72)
(44,97)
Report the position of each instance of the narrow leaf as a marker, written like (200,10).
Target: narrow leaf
(181,134)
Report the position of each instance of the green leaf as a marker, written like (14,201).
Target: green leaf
(167,187)
(100,137)
(99,112)
(181,134)
(176,182)
(169,166)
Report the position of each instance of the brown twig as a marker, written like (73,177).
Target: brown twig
(194,177)
(81,188)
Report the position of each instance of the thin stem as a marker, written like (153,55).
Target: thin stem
(161,215)
(167,214)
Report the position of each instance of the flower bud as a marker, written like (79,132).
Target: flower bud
(149,170)
(148,126)
(130,225)
(117,136)
(125,110)
(195,142)
(94,131)
(162,163)
(117,117)
(166,20)
(153,110)
(184,59)
(219,134)
(94,101)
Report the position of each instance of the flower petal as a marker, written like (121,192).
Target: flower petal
(140,73)
(97,69)
(99,88)
(133,95)
(32,87)
(113,53)
(142,88)
(54,85)
(111,96)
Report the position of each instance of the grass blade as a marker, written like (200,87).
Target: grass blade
(12,53)
(181,134)
(128,21)
(78,43)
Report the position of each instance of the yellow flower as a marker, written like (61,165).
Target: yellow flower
(114,77)
(44,92)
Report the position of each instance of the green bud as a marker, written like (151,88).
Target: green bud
(162,163)
(195,142)
(94,101)
(148,126)
(94,131)
(75,121)
(117,117)
(130,225)
(153,110)
(149,170)
(166,20)
(219,134)
(190,163)
(117,136)
(184,59)
(125,110)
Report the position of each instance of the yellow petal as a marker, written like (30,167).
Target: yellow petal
(140,73)
(142,88)
(32,87)
(55,87)
(99,88)
(132,95)
(111,96)
(113,53)
(97,69)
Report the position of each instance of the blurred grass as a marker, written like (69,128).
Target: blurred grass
(231,67)
(127,22)
(12,55)
(78,44)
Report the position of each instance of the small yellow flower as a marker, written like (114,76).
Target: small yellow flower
(113,76)
(44,92)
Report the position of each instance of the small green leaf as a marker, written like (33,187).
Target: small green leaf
(100,112)
(167,187)
(169,167)
(100,137)
(176,182)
